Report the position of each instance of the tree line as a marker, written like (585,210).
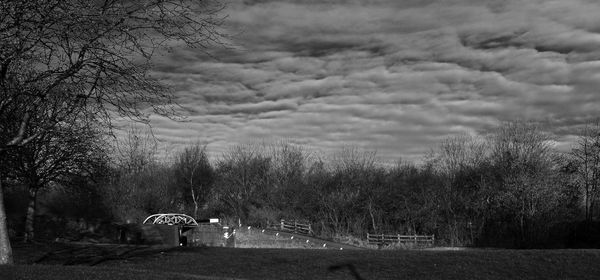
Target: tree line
(509,188)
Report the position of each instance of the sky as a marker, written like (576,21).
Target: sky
(390,76)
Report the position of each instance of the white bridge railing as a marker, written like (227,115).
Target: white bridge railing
(171,219)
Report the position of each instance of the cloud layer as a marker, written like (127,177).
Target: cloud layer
(387,75)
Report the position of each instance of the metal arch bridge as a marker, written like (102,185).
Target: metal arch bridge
(171,219)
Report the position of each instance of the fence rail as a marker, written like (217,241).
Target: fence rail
(417,240)
(294,226)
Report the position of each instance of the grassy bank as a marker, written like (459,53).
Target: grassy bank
(265,238)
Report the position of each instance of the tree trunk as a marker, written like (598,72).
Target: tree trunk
(372,216)
(522,223)
(30,217)
(195,209)
(195,199)
(588,216)
(592,204)
(5,249)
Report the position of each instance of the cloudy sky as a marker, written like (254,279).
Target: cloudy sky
(395,76)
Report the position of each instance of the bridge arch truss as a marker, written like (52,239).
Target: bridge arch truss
(171,219)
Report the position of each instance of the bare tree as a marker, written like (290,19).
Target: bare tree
(289,166)
(136,150)
(244,174)
(461,151)
(140,183)
(99,50)
(353,159)
(587,157)
(456,159)
(289,163)
(55,157)
(193,170)
(345,198)
(526,189)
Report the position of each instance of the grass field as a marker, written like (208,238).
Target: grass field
(236,263)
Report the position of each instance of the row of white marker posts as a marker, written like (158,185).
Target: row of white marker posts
(291,238)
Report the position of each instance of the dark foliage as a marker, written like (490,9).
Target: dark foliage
(507,190)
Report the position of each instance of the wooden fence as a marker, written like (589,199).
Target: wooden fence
(295,227)
(415,240)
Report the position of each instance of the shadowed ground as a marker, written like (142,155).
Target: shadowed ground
(208,263)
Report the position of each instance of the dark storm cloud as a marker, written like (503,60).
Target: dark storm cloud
(394,76)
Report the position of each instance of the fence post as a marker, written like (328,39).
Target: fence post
(282,224)
(295,226)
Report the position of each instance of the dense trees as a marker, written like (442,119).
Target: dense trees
(57,157)
(508,188)
(88,59)
(244,180)
(456,165)
(526,189)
